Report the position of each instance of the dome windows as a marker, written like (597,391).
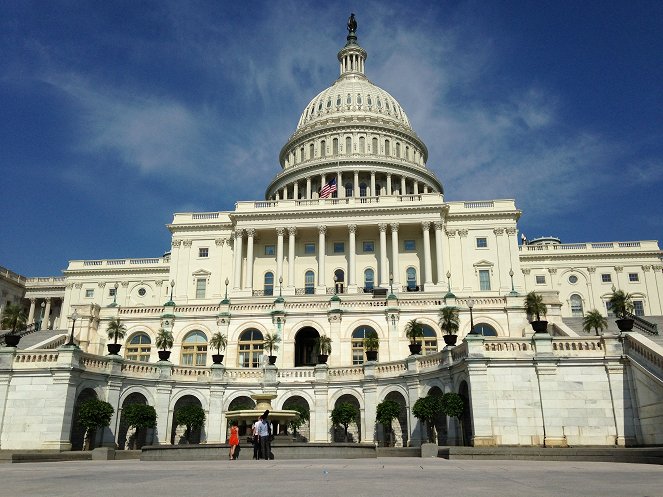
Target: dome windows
(369,101)
(349,99)
(338,101)
(329,102)
(379,103)
(358,99)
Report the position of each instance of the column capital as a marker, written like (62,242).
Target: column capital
(292,231)
(591,269)
(239,232)
(498,231)
(439,225)
(323,229)
(657,267)
(187,243)
(219,241)
(451,233)
(352,228)
(388,175)
(462,233)
(280,231)
(32,300)
(101,284)
(646,268)
(176,243)
(373,173)
(48,300)
(511,231)
(619,269)
(552,270)
(250,232)
(425,225)
(394,227)
(382,227)
(526,270)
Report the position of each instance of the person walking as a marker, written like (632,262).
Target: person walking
(255,431)
(234,440)
(264,432)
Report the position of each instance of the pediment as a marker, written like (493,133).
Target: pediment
(483,263)
(201,272)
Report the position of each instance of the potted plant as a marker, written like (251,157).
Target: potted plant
(594,320)
(92,415)
(140,417)
(449,323)
(323,346)
(218,342)
(414,330)
(271,344)
(116,330)
(371,345)
(534,306)
(344,414)
(621,303)
(385,413)
(164,342)
(14,319)
(191,416)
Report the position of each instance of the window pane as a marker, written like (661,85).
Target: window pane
(369,279)
(638,308)
(484,280)
(482,242)
(409,245)
(339,247)
(369,247)
(309,248)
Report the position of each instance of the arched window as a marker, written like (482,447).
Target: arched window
(323,148)
(576,305)
(250,349)
(311,151)
(139,348)
(301,154)
(348,145)
(339,280)
(348,190)
(362,145)
(374,146)
(430,341)
(194,349)
(387,150)
(369,280)
(485,330)
(358,336)
(269,283)
(335,146)
(362,189)
(411,274)
(309,283)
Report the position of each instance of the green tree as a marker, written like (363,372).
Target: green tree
(92,415)
(303,416)
(344,414)
(594,320)
(534,305)
(414,330)
(140,417)
(116,330)
(191,416)
(449,320)
(426,409)
(219,342)
(453,406)
(14,318)
(385,413)
(164,340)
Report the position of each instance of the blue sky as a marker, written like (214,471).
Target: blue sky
(115,114)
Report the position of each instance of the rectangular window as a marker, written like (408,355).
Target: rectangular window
(484,280)
(89,293)
(540,279)
(638,308)
(409,245)
(339,247)
(606,278)
(369,247)
(203,252)
(482,242)
(608,308)
(309,248)
(111,292)
(633,277)
(201,286)
(269,250)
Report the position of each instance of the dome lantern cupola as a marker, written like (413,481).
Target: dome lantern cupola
(352,57)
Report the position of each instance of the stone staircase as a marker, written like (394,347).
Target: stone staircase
(576,325)
(29,341)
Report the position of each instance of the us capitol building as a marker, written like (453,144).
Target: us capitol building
(354,235)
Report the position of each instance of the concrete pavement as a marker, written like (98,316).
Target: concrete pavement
(410,477)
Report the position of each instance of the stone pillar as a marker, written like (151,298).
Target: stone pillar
(215,432)
(355,188)
(321,257)
(308,188)
(395,264)
(31,314)
(292,231)
(279,254)
(340,189)
(416,188)
(113,390)
(319,424)
(403,189)
(441,273)
(370,388)
(373,192)
(428,270)
(352,263)
(47,312)
(388,183)
(501,249)
(250,234)
(295,191)
(162,405)
(237,277)
(384,269)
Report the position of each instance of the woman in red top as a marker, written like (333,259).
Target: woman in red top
(233,440)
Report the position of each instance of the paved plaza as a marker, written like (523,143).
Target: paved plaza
(410,477)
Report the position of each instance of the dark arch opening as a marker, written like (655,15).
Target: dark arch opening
(303,433)
(177,434)
(485,330)
(131,438)
(77,431)
(240,404)
(305,353)
(398,437)
(440,421)
(466,418)
(354,429)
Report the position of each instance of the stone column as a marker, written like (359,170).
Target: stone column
(384,270)
(503,285)
(403,190)
(340,189)
(279,255)
(395,264)
(352,263)
(355,188)
(292,231)
(31,314)
(388,183)
(295,191)
(237,277)
(428,270)
(321,257)
(373,192)
(113,389)
(416,188)
(250,233)
(441,273)
(47,313)
(308,188)
(285,193)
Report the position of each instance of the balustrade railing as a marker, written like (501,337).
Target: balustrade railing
(642,324)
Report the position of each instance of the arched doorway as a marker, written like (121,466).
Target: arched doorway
(303,432)
(126,438)
(239,404)
(399,430)
(339,280)
(177,434)
(466,418)
(77,431)
(354,429)
(305,353)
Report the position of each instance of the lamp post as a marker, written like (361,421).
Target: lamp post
(41,320)
(513,291)
(448,281)
(470,304)
(226,297)
(281,284)
(172,285)
(74,317)
(391,283)
(115,286)
(335,285)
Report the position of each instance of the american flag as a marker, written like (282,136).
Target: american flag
(328,189)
